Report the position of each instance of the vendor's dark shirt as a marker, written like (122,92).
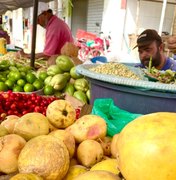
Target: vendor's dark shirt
(170,64)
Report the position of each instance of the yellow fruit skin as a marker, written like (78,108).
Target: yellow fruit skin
(29,176)
(31,125)
(45,156)
(61,113)
(67,138)
(10,147)
(75,171)
(97,175)
(9,122)
(147,147)
(113,146)
(89,152)
(110,165)
(3,131)
(88,127)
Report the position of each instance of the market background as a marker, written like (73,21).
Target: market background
(122,20)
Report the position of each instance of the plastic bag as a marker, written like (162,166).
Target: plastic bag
(115,117)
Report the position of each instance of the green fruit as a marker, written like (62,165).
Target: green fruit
(13,68)
(88,94)
(23,74)
(42,75)
(18,65)
(30,77)
(59,81)
(24,69)
(28,87)
(21,82)
(14,75)
(3,86)
(3,79)
(58,94)
(64,62)
(47,80)
(53,70)
(74,74)
(38,84)
(69,88)
(67,75)
(17,89)
(81,84)
(48,90)
(80,95)
(9,83)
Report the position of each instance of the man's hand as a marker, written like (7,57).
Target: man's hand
(21,54)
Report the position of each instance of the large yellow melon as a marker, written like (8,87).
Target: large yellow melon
(147,147)
(45,156)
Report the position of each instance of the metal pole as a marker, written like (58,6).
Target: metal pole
(162,17)
(34,30)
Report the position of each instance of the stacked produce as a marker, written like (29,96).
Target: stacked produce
(62,78)
(49,147)
(168,76)
(18,78)
(19,104)
(57,79)
(53,148)
(114,68)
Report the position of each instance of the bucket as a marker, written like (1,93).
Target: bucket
(3,44)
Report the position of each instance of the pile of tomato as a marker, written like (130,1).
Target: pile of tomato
(21,103)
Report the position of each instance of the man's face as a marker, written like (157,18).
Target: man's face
(151,50)
(42,20)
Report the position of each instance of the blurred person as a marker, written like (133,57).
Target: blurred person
(4,34)
(57,34)
(171,44)
(150,45)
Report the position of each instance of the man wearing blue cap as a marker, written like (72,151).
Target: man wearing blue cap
(150,45)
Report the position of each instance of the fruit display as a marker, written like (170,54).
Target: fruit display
(56,80)
(168,76)
(15,105)
(62,78)
(46,151)
(82,150)
(19,104)
(18,78)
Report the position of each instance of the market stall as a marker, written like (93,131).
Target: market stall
(44,136)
